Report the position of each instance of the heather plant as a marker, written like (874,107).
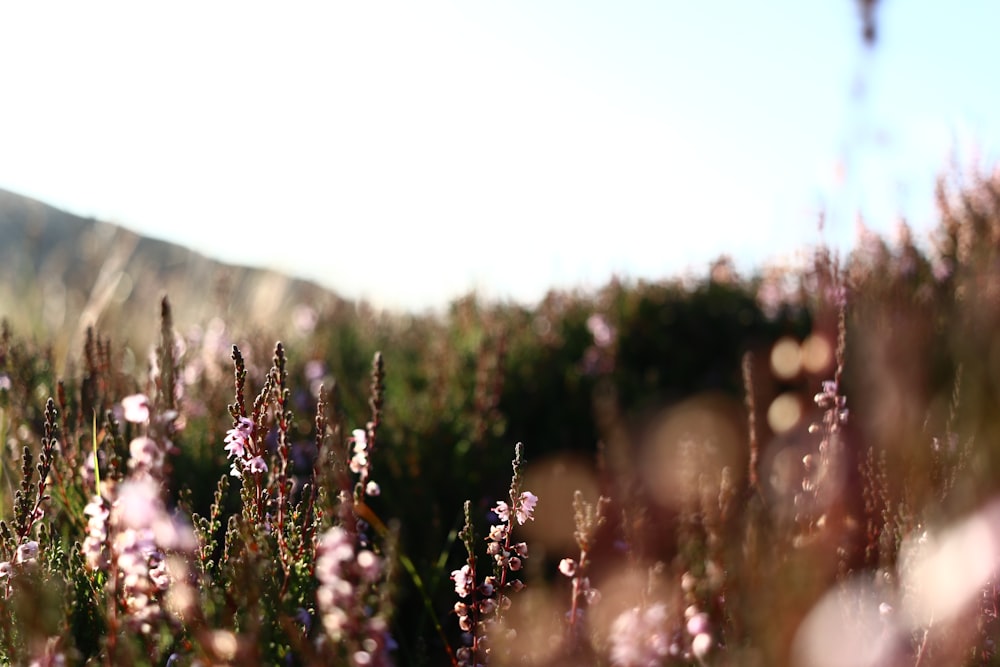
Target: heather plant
(790,469)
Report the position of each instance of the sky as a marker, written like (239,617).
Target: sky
(410,152)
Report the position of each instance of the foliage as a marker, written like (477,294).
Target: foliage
(790,468)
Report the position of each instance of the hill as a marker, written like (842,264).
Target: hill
(60,273)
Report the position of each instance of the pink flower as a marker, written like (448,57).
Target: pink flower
(567,566)
(136,408)
(526,508)
(138,504)
(27,552)
(238,438)
(463,581)
(144,453)
(639,637)
(257,464)
(359,460)
(502,510)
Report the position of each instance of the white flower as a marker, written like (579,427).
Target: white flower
(567,566)
(463,581)
(136,408)
(27,552)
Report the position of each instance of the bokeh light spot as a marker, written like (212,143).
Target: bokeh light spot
(817,354)
(786,358)
(784,413)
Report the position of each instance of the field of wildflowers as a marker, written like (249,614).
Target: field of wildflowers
(797,468)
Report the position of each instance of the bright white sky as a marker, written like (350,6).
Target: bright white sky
(411,151)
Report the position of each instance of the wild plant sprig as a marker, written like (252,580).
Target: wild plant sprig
(365,439)
(245,442)
(30,498)
(588,519)
(311,518)
(490,598)
(238,408)
(283,417)
(166,356)
(508,557)
(469,613)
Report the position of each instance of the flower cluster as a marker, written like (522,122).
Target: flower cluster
(344,573)
(239,447)
(639,637)
(148,452)
(524,507)
(131,539)
(27,554)
(487,601)
(361,463)
(835,405)
(95,549)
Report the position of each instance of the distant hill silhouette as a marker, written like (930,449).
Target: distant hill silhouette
(60,273)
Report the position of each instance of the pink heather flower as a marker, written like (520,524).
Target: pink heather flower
(27,552)
(336,544)
(97,533)
(639,637)
(373,489)
(5,569)
(502,510)
(463,581)
(136,408)
(138,504)
(359,460)
(526,508)
(238,438)
(256,464)
(567,566)
(144,453)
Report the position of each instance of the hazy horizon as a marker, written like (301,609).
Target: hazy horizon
(408,154)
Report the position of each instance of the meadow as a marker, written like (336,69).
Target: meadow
(798,467)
